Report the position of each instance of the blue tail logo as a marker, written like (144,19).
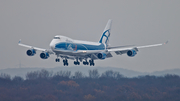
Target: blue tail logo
(105,37)
(106,34)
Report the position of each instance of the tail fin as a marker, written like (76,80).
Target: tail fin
(106,33)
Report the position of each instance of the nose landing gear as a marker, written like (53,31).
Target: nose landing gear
(57,60)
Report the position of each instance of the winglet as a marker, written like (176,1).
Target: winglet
(19,41)
(166,42)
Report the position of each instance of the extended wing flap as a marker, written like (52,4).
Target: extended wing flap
(120,52)
(108,55)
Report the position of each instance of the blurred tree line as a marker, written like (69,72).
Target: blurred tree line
(44,85)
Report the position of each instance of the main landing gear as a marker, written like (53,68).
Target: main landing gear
(65,62)
(76,62)
(91,62)
(85,62)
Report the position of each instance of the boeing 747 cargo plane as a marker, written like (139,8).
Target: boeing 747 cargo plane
(82,51)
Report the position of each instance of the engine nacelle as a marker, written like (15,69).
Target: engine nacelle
(101,55)
(31,52)
(44,55)
(131,53)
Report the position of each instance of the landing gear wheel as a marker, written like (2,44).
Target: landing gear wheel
(57,60)
(91,62)
(85,63)
(76,63)
(65,62)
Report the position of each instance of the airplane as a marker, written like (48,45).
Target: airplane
(77,50)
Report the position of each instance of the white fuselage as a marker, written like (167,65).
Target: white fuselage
(64,45)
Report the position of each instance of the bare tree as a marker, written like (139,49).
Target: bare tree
(108,74)
(78,75)
(32,75)
(39,74)
(45,74)
(17,79)
(63,74)
(93,73)
(5,76)
(111,74)
(117,75)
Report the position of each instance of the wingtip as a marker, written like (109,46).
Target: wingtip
(19,41)
(166,42)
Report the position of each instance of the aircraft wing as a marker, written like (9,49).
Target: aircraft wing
(28,46)
(120,51)
(118,48)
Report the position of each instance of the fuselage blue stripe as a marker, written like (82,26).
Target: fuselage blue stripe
(75,46)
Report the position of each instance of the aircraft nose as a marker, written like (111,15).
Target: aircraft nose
(52,45)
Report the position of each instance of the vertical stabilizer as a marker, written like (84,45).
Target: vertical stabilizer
(106,33)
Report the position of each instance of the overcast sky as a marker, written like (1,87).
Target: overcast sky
(138,22)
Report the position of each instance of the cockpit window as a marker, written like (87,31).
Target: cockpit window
(56,37)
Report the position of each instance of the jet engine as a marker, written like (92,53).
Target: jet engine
(44,55)
(31,52)
(101,55)
(131,53)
